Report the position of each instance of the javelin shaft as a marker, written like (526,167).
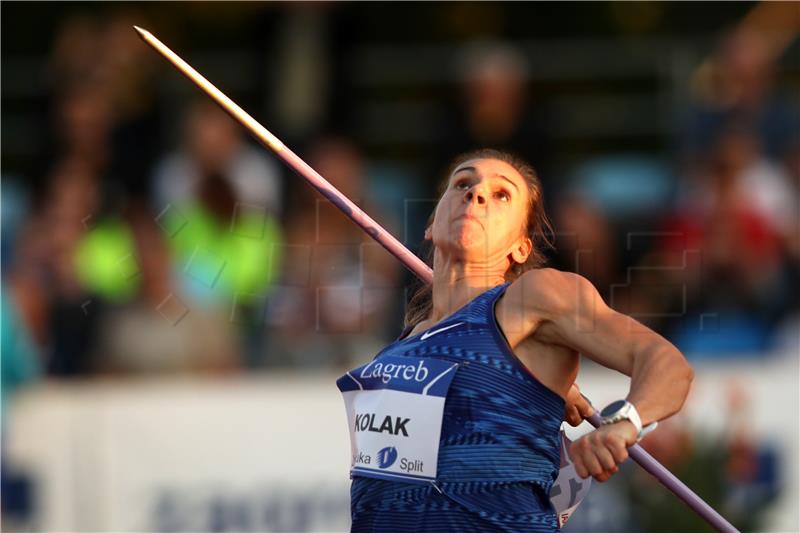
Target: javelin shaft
(355,213)
(396,248)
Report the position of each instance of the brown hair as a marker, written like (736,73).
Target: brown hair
(538,229)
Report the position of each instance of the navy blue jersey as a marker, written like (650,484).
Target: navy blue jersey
(499,446)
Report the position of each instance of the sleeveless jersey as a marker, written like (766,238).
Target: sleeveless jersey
(499,450)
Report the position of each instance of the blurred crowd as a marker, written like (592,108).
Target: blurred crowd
(154,248)
(705,250)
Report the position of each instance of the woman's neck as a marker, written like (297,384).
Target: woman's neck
(455,283)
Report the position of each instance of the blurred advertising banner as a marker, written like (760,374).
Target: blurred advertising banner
(272,453)
(185,455)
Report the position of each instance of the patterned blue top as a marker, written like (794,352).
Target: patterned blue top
(499,446)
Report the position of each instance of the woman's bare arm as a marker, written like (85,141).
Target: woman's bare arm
(573,314)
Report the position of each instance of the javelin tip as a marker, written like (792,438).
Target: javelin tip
(141,31)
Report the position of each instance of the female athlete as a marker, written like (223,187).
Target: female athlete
(455,425)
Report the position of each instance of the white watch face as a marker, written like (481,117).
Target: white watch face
(622,410)
(614,409)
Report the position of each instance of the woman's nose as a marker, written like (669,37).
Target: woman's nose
(475,193)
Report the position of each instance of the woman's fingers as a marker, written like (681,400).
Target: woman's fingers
(605,476)
(584,459)
(585,407)
(616,445)
(577,407)
(581,470)
(573,416)
(592,464)
(577,450)
(598,454)
(605,458)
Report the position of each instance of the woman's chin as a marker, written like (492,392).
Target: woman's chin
(469,245)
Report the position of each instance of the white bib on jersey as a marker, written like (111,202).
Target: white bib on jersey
(394,411)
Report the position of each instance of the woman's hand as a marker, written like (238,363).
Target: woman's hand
(600,452)
(577,407)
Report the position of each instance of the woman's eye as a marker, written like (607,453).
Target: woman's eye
(504,196)
(460,183)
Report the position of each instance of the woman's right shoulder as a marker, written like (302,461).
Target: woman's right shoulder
(550,291)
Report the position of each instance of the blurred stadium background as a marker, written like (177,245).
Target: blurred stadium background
(176,305)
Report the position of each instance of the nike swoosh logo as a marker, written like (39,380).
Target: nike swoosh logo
(434,332)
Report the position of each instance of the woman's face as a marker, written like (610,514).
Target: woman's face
(482,215)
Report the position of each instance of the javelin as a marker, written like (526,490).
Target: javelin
(396,248)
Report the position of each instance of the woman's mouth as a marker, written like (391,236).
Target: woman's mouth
(469,217)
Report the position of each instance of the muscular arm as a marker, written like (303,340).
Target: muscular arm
(571,313)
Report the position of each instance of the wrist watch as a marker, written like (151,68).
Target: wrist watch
(624,410)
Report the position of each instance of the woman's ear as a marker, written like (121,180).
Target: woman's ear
(428,233)
(523,249)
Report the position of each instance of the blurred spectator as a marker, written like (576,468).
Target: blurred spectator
(43,276)
(21,363)
(21,366)
(606,219)
(762,183)
(751,470)
(587,243)
(213,143)
(734,212)
(156,331)
(84,123)
(339,286)
(224,246)
(116,122)
(219,199)
(15,209)
(737,85)
(495,110)
(297,60)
